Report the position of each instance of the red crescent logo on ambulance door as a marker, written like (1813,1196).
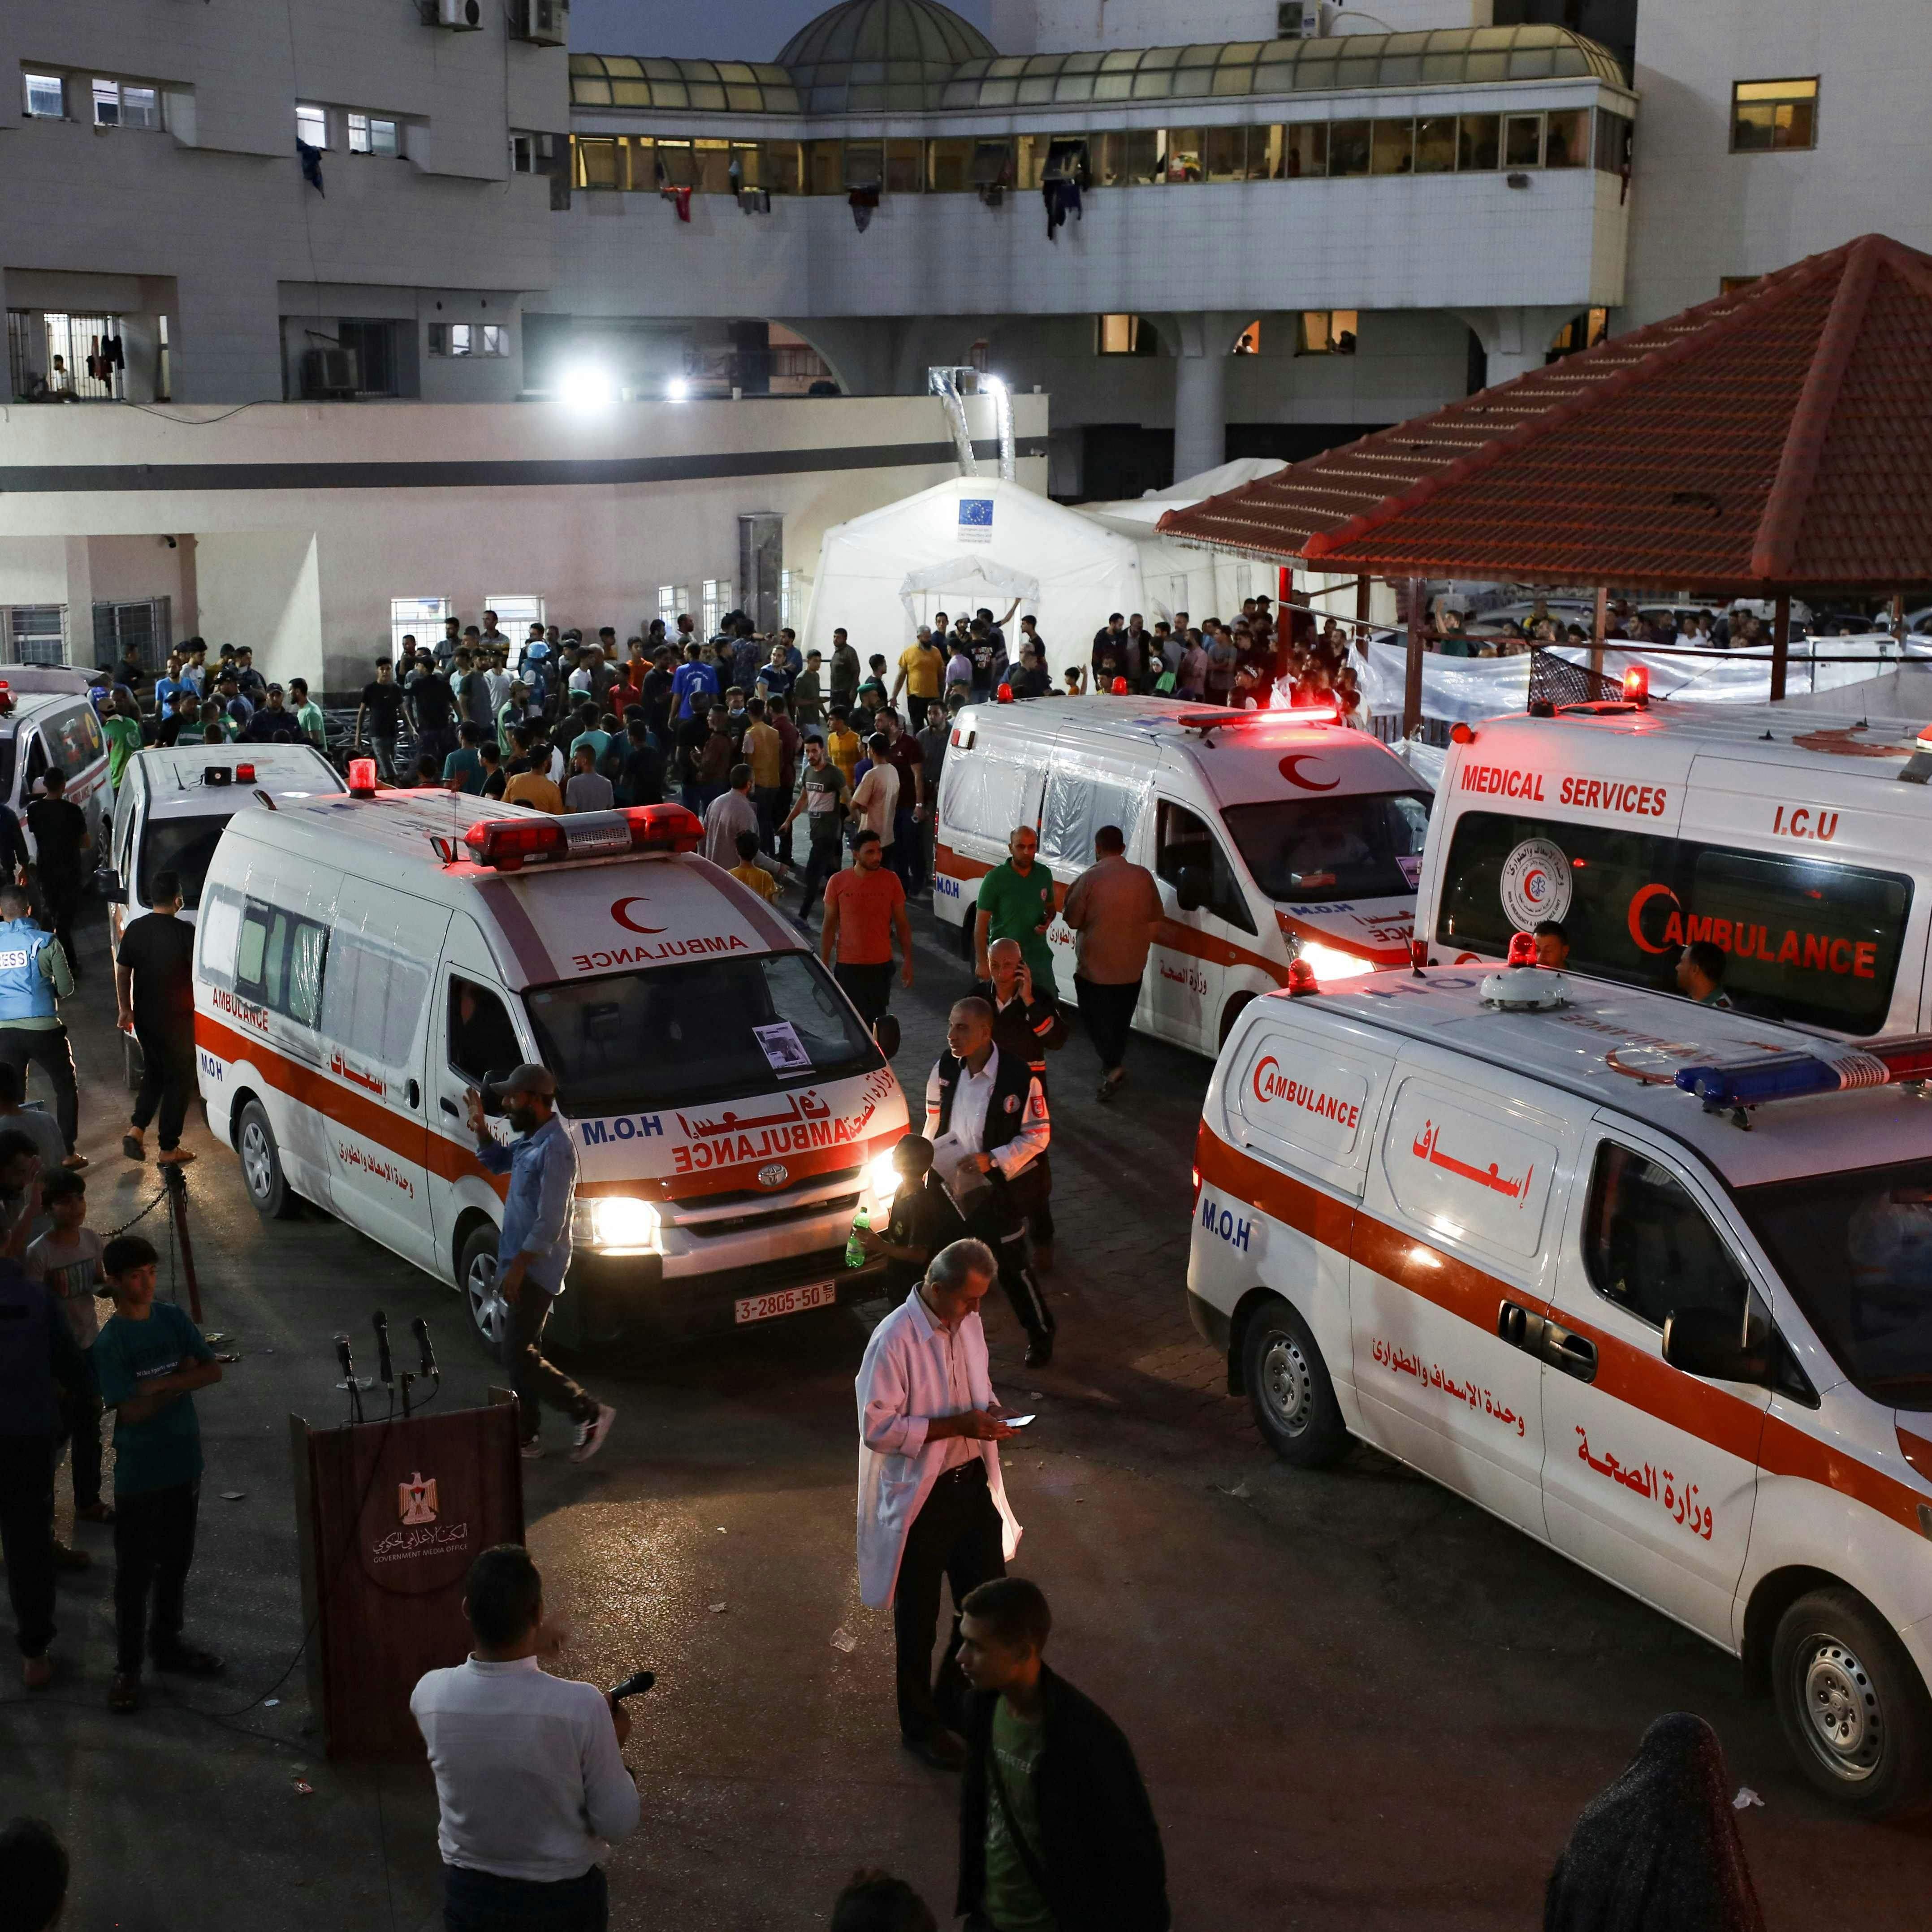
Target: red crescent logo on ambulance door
(1289,772)
(624,919)
(1641,898)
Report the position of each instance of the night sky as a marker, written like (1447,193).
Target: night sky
(722,30)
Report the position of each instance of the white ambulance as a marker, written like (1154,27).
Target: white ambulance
(1651,1281)
(363,960)
(1274,835)
(1799,843)
(44,732)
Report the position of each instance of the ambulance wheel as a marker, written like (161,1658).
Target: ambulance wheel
(262,1173)
(1851,1706)
(1288,1388)
(476,1275)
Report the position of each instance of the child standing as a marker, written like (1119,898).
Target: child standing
(922,1218)
(67,1259)
(148,1360)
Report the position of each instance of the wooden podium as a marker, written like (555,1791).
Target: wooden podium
(391,1515)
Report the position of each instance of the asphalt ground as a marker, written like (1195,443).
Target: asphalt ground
(1358,1702)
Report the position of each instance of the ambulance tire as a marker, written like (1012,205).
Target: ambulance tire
(1288,1388)
(262,1174)
(476,1281)
(1852,1707)
(965,941)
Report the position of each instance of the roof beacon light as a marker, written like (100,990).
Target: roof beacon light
(1636,686)
(509,844)
(1522,948)
(1004,695)
(1120,687)
(362,778)
(1462,734)
(245,774)
(1301,979)
(1523,986)
(1792,1076)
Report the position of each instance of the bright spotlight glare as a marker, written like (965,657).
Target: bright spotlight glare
(677,389)
(585,386)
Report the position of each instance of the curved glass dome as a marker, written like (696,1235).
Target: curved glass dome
(881,56)
(631,80)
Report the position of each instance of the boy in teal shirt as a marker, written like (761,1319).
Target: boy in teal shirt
(309,720)
(148,1360)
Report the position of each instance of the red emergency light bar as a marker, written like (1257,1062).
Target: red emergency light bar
(1301,979)
(362,778)
(6,699)
(1636,686)
(1792,1076)
(508,844)
(1522,948)
(1293,714)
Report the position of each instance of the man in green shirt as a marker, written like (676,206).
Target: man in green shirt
(148,1360)
(1056,1834)
(121,728)
(309,720)
(1016,901)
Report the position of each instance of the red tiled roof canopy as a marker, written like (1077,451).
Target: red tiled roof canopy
(1779,438)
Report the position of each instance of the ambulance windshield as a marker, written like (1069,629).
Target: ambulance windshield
(1365,846)
(673,1036)
(183,845)
(1855,1251)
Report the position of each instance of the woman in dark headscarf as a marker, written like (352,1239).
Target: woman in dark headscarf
(1658,1850)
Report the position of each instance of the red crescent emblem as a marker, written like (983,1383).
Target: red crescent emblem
(1641,898)
(1295,777)
(625,920)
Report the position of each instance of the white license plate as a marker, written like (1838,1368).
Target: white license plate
(786,1301)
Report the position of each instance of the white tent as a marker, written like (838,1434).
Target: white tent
(972,541)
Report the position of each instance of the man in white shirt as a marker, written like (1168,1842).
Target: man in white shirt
(986,1117)
(875,798)
(931,1500)
(727,815)
(530,1780)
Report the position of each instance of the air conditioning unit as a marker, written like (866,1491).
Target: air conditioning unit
(1305,19)
(462,17)
(332,372)
(543,23)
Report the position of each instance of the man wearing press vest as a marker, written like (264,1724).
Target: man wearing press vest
(34,977)
(986,1116)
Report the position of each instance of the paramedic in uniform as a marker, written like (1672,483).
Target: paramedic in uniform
(986,1116)
(533,1251)
(932,1504)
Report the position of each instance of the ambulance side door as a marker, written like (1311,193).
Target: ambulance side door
(376,1002)
(1650,1477)
(1452,1260)
(1208,922)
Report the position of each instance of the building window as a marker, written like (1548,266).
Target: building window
(1327,331)
(1774,114)
(1523,140)
(368,134)
(514,614)
(46,96)
(312,125)
(1613,141)
(78,357)
(420,618)
(531,153)
(1580,332)
(1124,335)
(1349,142)
(118,103)
(469,338)
(1478,141)
(672,598)
(1249,342)
(38,634)
(791,598)
(717,601)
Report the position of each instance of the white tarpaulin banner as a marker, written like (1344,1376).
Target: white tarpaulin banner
(1463,690)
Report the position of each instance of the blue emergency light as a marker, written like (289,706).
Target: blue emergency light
(1791,1076)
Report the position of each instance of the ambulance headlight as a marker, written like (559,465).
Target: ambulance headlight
(884,1177)
(1331,962)
(618,1224)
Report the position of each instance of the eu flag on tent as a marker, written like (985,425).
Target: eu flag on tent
(975,519)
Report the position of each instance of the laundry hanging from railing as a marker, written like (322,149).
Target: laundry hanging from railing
(1062,196)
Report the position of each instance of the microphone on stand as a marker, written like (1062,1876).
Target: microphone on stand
(349,1380)
(383,1369)
(426,1365)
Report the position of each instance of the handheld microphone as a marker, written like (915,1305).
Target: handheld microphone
(343,1356)
(427,1365)
(638,1681)
(382,1367)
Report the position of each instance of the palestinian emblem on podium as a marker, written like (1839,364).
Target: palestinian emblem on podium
(416,1499)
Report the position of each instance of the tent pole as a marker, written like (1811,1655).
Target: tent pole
(1780,644)
(1284,619)
(1361,604)
(1601,629)
(1898,615)
(1411,682)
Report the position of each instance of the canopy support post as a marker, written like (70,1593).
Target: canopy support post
(1601,629)
(1284,621)
(1411,682)
(1780,644)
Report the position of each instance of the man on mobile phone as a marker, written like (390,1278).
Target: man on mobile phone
(530,1779)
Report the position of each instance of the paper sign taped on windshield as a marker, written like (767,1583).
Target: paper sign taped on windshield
(782,1048)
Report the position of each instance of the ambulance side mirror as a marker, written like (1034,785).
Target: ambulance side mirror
(1705,1342)
(1192,889)
(886,1032)
(107,882)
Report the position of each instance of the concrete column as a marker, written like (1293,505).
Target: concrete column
(1200,344)
(1515,340)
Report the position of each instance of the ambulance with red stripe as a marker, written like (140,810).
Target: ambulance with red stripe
(1651,1281)
(1799,843)
(362,960)
(1274,835)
